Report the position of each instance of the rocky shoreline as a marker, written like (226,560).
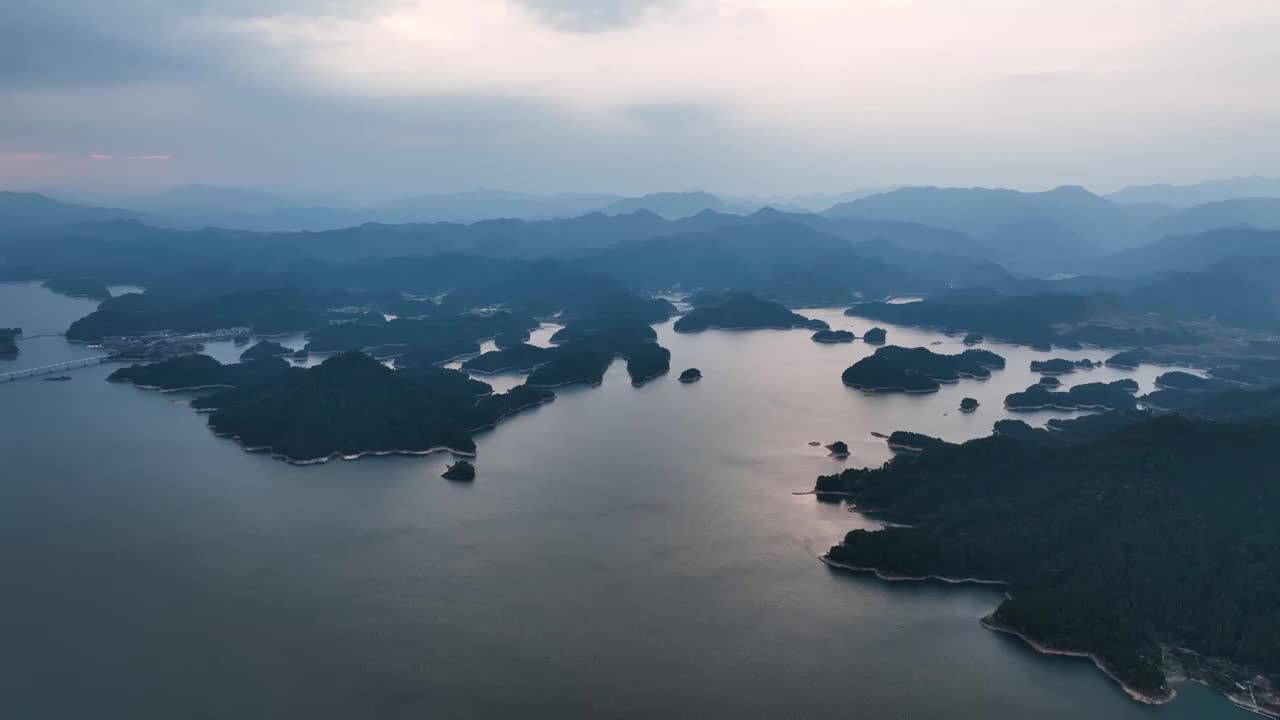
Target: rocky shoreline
(1268,705)
(989,623)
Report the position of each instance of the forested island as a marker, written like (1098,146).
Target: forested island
(462,471)
(1148,547)
(1116,395)
(743,311)
(917,370)
(583,350)
(833,336)
(352,405)
(691,375)
(1179,380)
(349,405)
(1059,366)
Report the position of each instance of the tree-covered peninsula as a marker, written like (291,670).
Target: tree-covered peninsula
(78,287)
(351,405)
(264,349)
(743,311)
(190,372)
(1150,547)
(516,358)
(267,312)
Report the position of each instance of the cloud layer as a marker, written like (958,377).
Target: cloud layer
(761,96)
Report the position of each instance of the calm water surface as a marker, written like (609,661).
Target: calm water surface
(624,552)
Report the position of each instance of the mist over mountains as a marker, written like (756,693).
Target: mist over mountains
(1064,231)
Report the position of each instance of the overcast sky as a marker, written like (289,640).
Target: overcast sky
(738,96)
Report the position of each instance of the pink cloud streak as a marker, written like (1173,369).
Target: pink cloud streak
(147,158)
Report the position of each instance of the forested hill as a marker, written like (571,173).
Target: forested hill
(1161,534)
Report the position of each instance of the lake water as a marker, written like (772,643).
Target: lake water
(624,552)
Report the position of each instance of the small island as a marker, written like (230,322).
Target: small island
(265,349)
(691,375)
(917,370)
(838,449)
(1127,384)
(1059,366)
(968,405)
(973,339)
(743,311)
(833,336)
(461,471)
(875,336)
(9,341)
(1050,381)
(301,354)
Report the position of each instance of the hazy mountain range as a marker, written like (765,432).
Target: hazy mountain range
(928,241)
(1067,230)
(1200,193)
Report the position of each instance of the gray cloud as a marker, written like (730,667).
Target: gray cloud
(44,43)
(594,15)
(236,105)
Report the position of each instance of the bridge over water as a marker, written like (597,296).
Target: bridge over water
(54,368)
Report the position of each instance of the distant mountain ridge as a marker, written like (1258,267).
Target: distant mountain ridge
(950,235)
(1262,213)
(677,205)
(983,212)
(1192,251)
(23,213)
(1199,193)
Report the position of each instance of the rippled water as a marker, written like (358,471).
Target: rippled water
(624,552)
